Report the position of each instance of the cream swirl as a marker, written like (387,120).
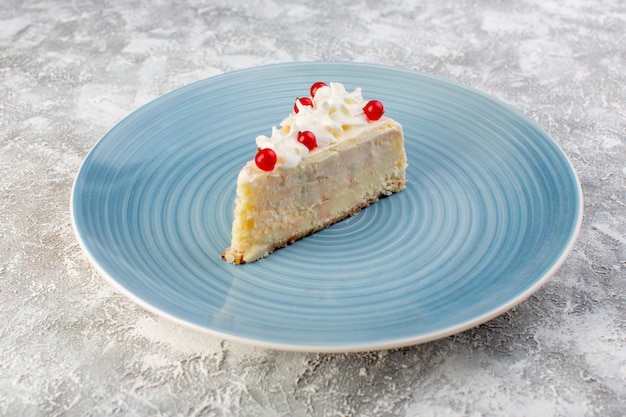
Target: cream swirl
(334,111)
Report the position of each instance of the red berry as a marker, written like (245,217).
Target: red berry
(316,87)
(265,159)
(374,110)
(305,101)
(307,138)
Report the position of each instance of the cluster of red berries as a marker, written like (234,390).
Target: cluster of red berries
(265,158)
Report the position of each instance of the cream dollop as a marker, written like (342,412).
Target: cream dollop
(334,111)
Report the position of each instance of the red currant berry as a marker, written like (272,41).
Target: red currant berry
(307,138)
(265,159)
(374,110)
(305,101)
(316,87)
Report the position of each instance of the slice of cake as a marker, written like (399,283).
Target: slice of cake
(334,155)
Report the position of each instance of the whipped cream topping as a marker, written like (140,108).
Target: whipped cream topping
(334,111)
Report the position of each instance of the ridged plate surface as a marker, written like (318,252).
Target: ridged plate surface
(491,210)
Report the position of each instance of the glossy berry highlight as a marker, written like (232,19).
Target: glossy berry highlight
(374,110)
(307,138)
(305,101)
(316,87)
(265,159)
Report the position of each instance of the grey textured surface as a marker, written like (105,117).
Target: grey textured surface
(71,346)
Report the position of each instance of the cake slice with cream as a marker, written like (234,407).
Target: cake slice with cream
(332,156)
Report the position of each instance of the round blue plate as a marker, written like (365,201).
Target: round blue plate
(491,210)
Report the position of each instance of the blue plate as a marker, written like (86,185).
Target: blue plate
(491,210)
